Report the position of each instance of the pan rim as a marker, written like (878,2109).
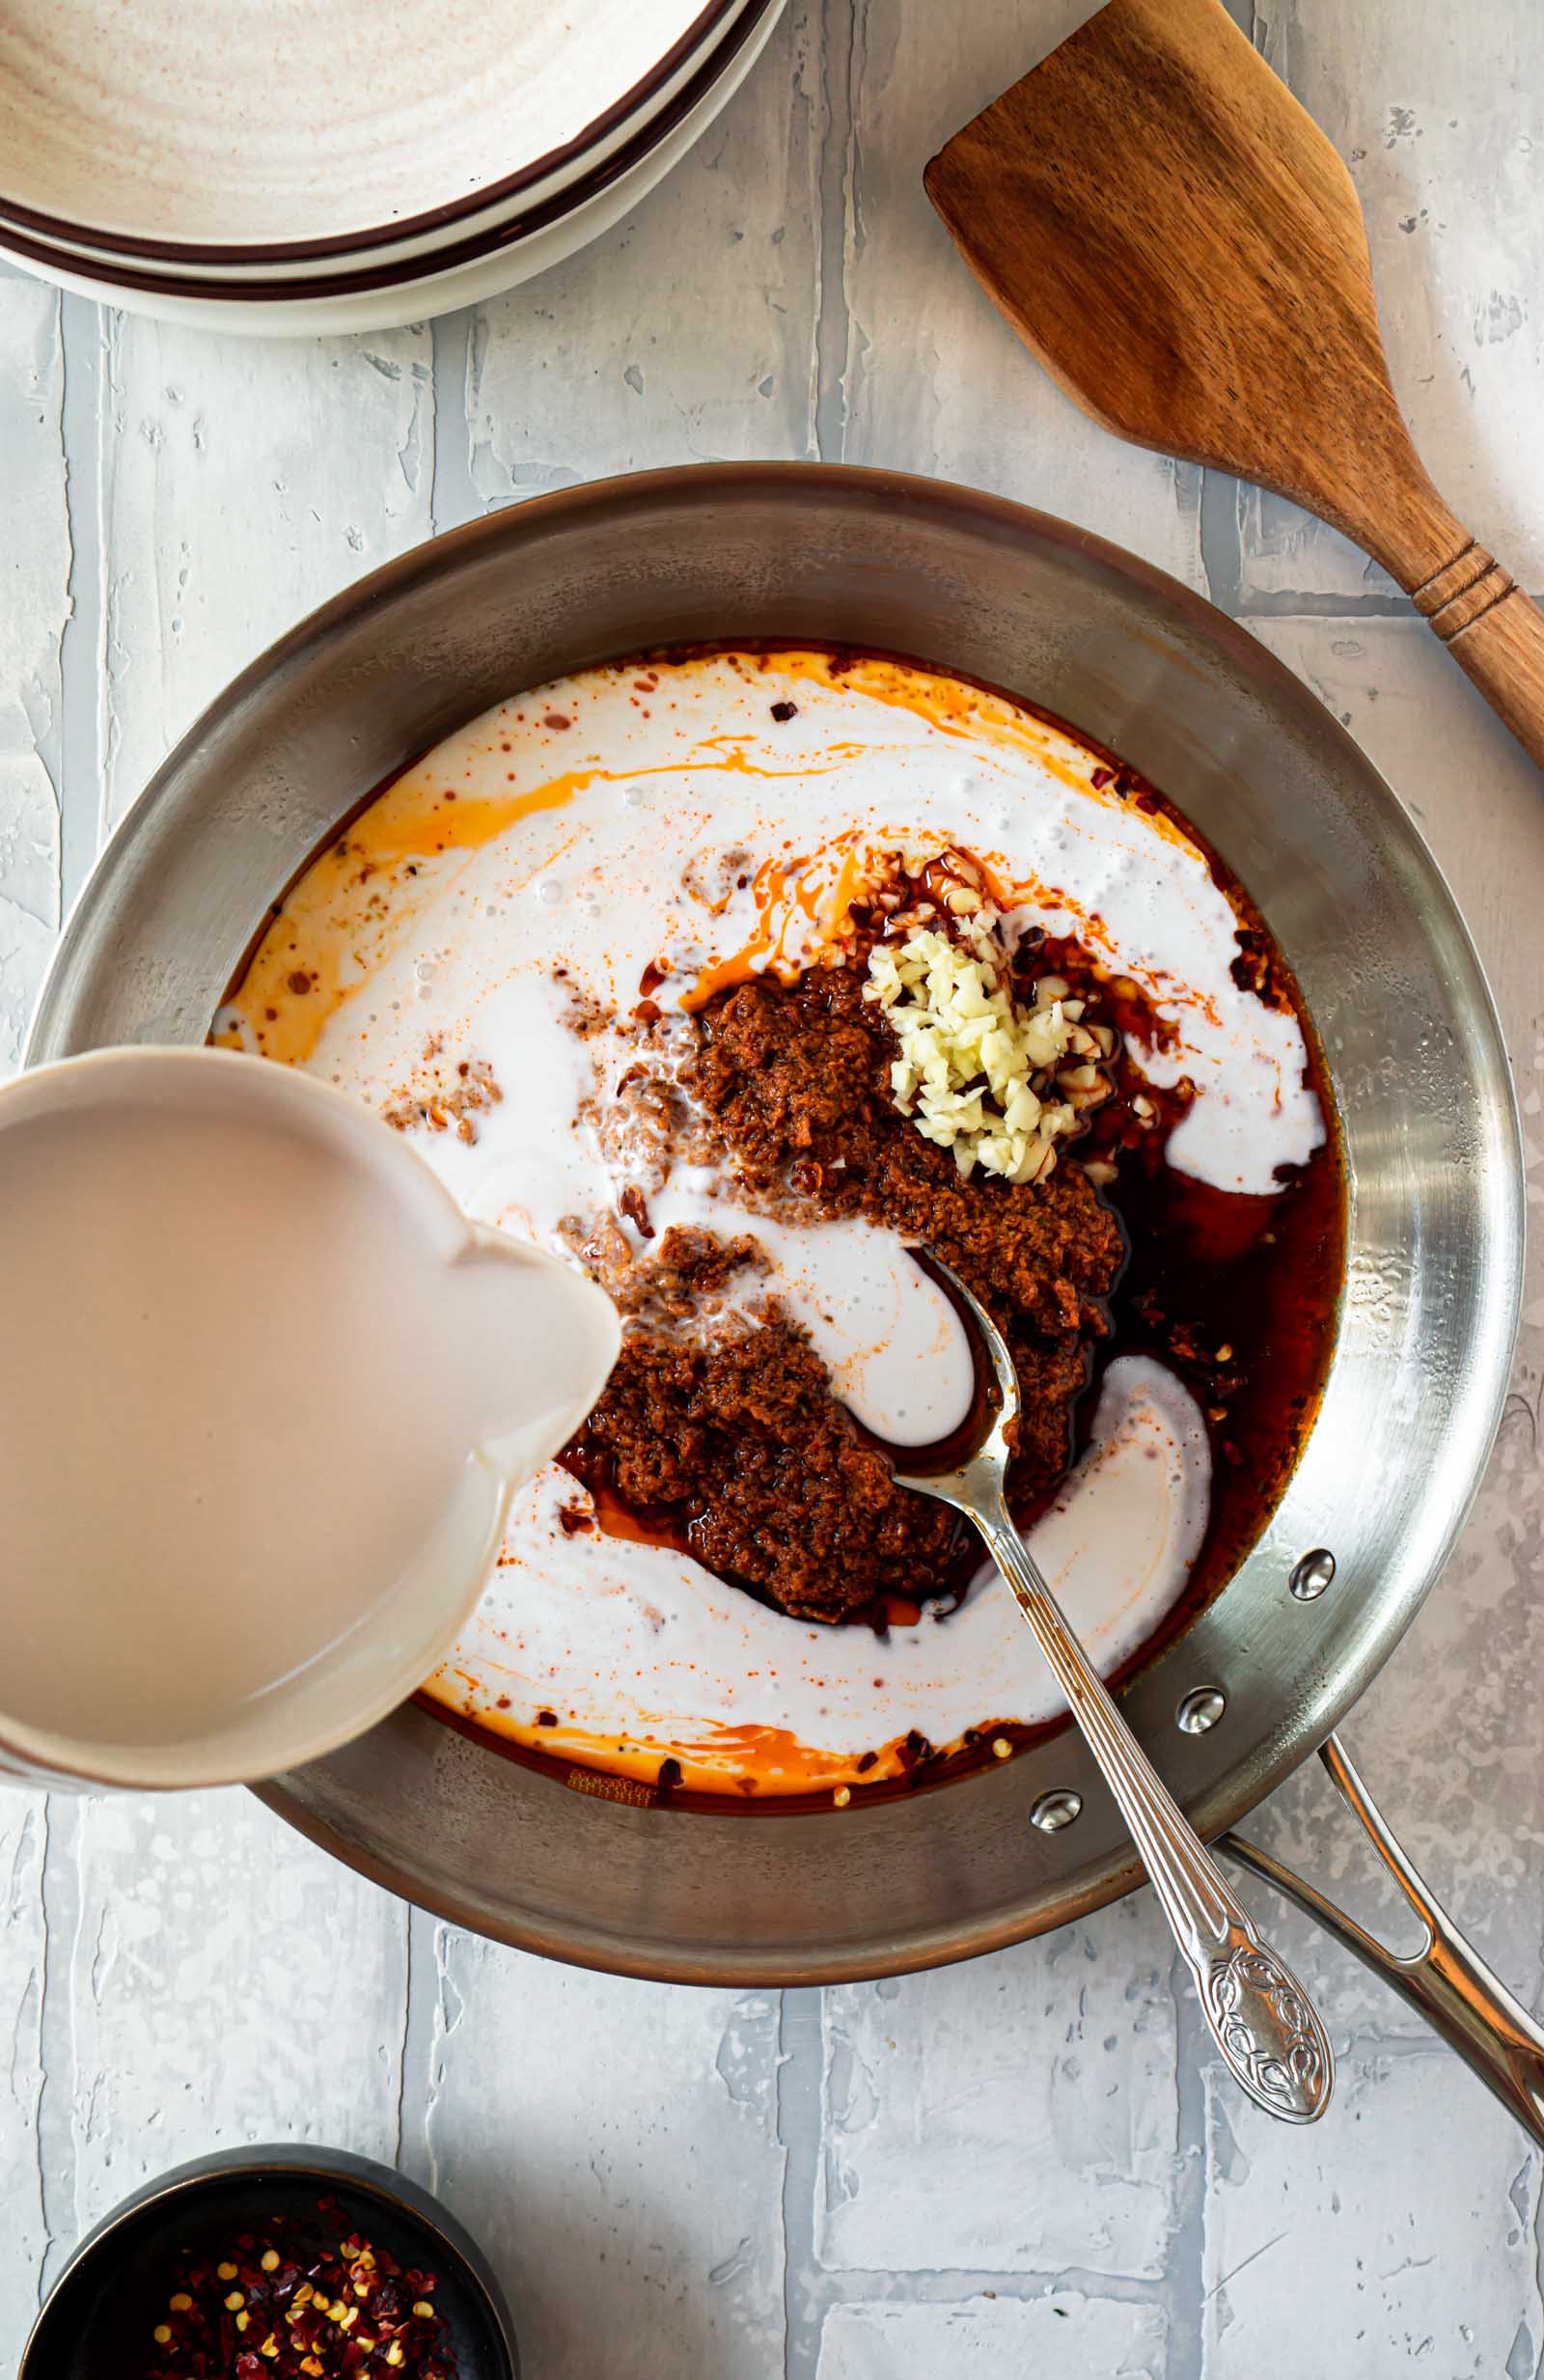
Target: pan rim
(1295,1736)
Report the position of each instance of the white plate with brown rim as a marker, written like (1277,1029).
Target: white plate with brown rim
(490,234)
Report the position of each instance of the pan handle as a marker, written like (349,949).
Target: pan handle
(1444,1980)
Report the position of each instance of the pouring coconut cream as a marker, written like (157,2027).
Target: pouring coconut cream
(266,1398)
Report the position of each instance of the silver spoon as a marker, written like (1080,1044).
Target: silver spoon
(1261,2019)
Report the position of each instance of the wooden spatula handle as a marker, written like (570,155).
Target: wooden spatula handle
(1495,634)
(1382,496)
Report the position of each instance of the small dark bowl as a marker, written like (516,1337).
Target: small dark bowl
(112,2291)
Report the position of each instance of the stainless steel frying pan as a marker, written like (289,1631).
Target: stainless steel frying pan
(1260,1679)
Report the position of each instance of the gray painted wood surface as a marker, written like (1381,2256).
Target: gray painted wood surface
(1027,2164)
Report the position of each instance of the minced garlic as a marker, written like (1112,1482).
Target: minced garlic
(977,1073)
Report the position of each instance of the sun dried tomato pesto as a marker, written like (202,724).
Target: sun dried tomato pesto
(735,1444)
(731,1444)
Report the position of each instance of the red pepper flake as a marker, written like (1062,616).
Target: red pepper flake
(308,2298)
(556,719)
(1102,777)
(784,711)
(635,1207)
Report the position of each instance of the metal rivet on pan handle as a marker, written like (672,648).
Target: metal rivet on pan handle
(1055,1810)
(1312,1574)
(1200,1709)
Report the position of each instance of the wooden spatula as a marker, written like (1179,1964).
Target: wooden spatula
(1183,250)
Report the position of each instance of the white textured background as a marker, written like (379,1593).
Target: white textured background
(1029,2165)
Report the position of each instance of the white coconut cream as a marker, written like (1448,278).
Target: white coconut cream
(495,918)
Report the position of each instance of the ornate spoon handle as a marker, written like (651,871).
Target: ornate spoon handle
(1261,2019)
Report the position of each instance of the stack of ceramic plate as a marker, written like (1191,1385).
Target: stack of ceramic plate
(335,165)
